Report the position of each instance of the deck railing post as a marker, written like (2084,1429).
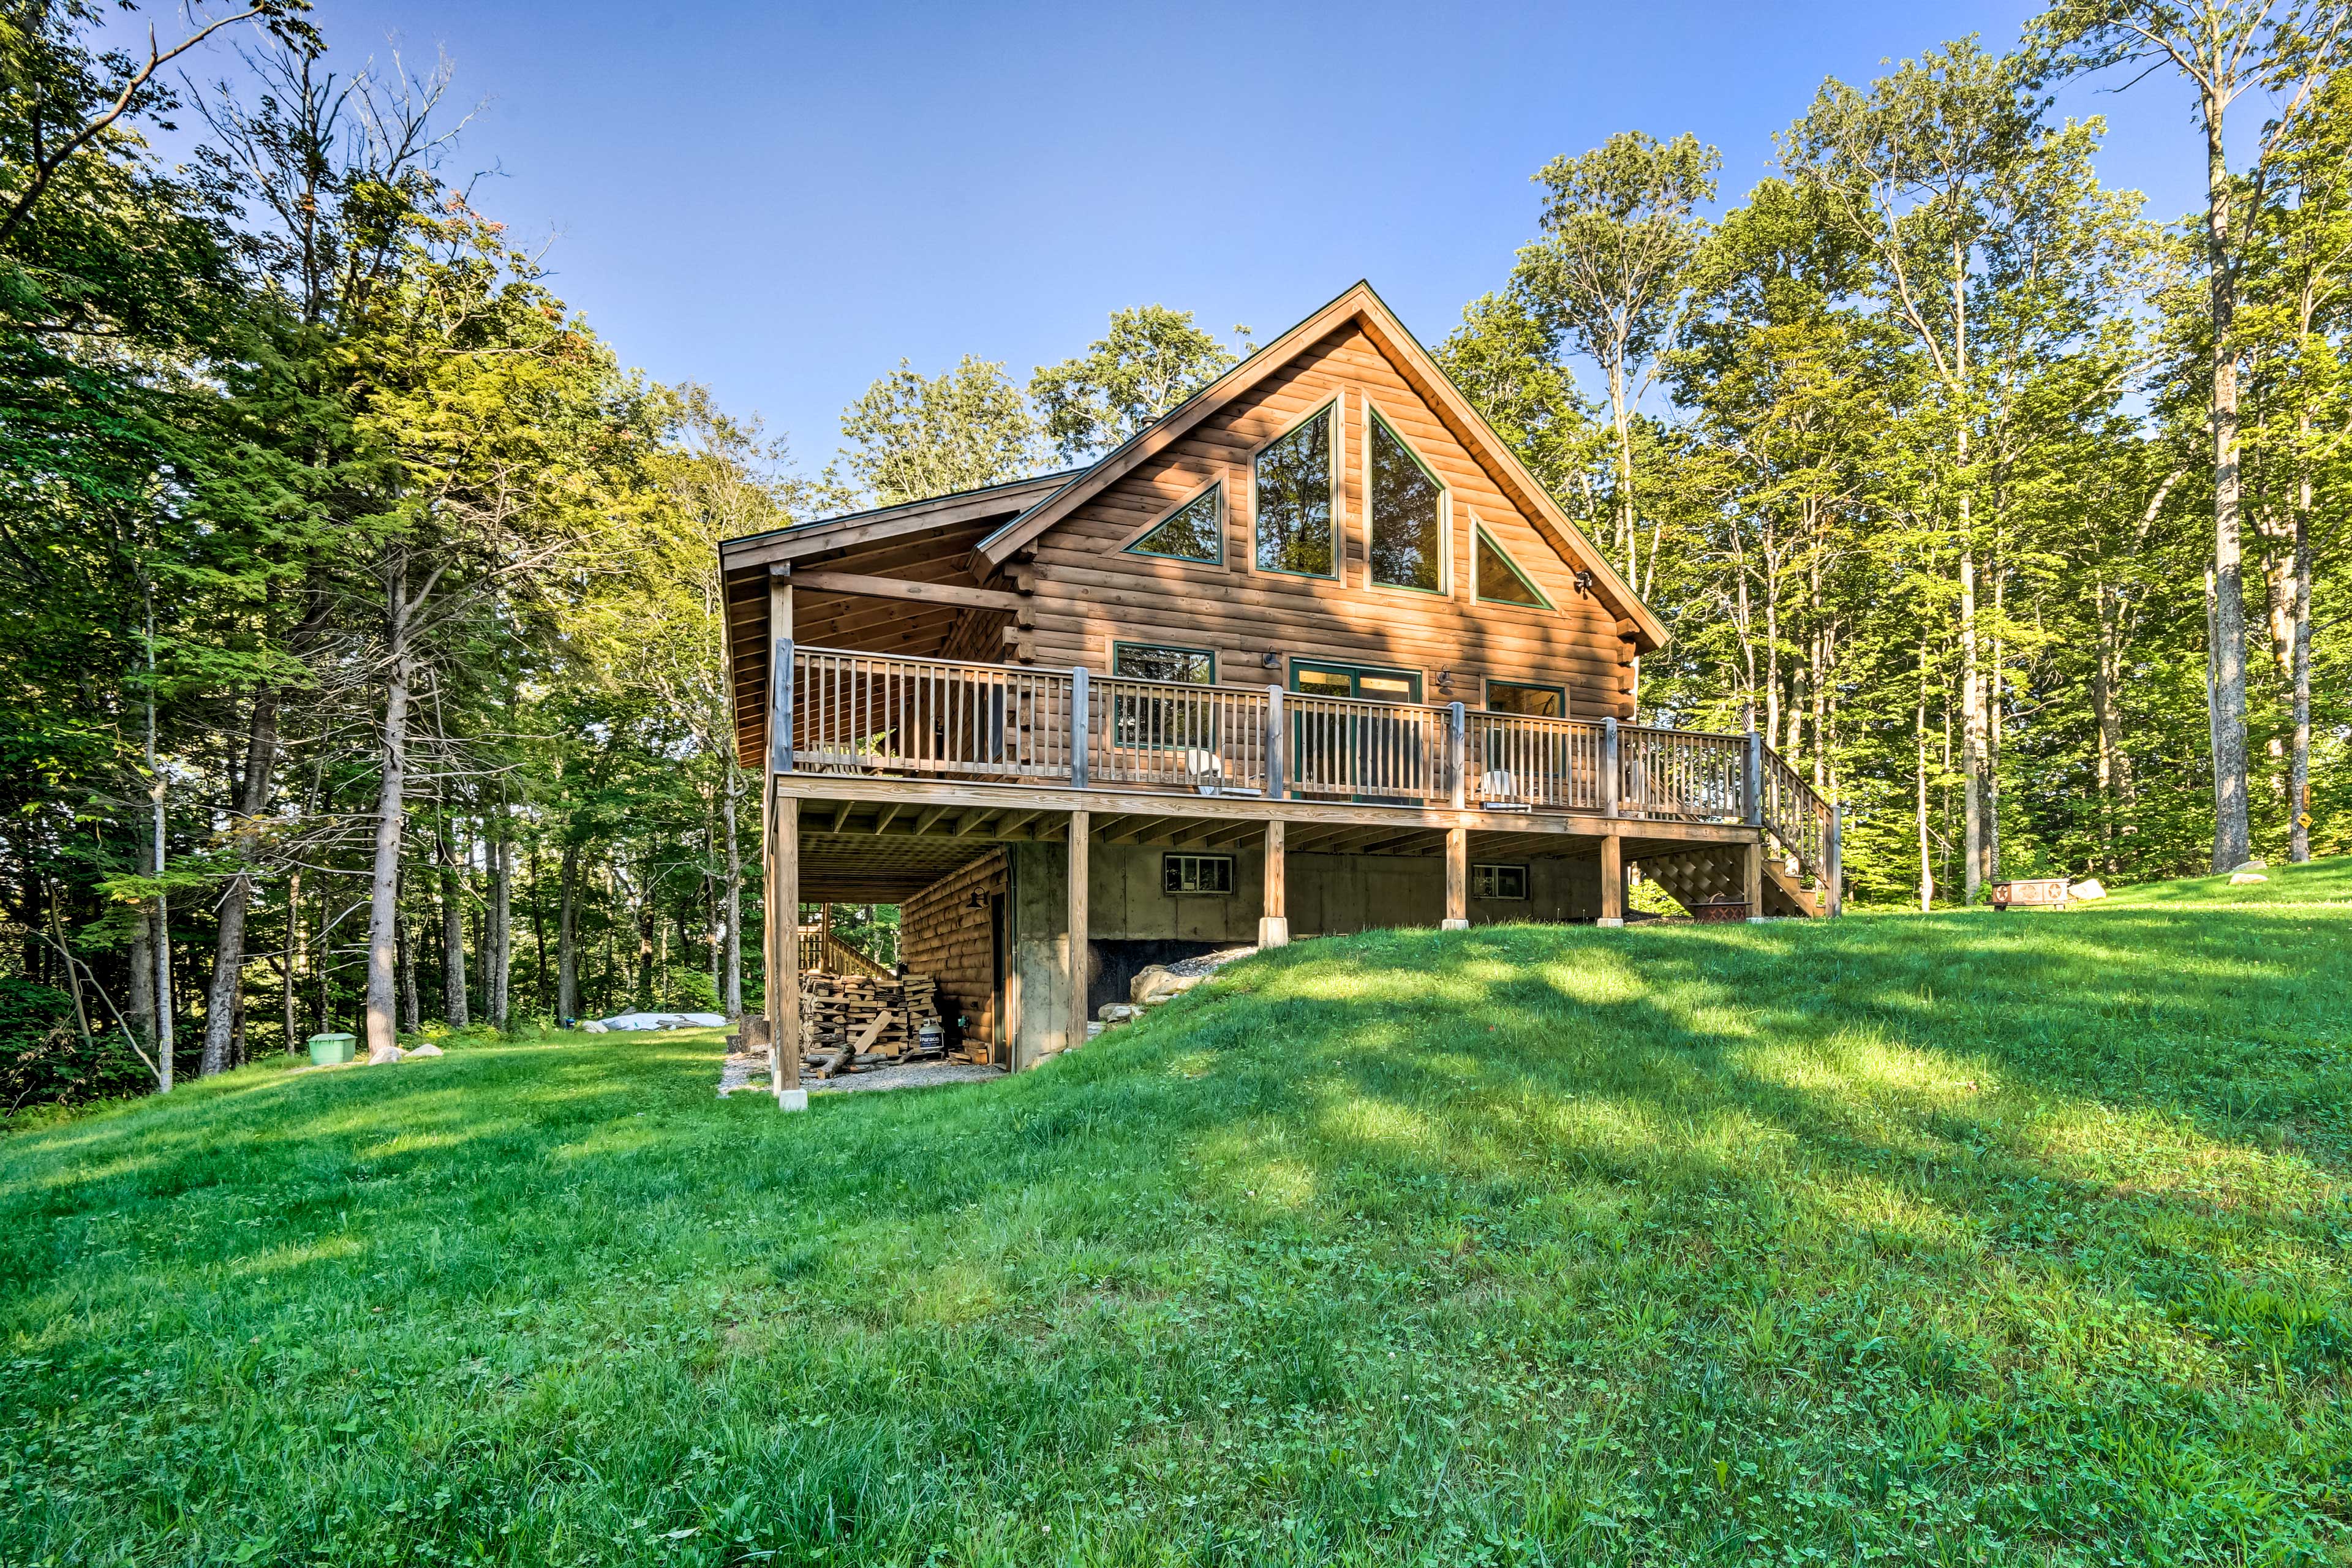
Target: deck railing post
(780,712)
(1457,753)
(1834,879)
(1081,730)
(1752,786)
(1276,773)
(1609,766)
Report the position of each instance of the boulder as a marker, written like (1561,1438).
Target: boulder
(384,1054)
(2089,887)
(1155,984)
(1119,1012)
(2251,866)
(593,1028)
(2240,878)
(426,1049)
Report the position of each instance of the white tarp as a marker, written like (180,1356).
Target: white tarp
(665,1021)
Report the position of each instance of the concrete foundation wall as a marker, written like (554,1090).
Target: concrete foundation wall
(1329,895)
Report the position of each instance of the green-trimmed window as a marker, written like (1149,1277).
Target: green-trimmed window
(1408,544)
(1500,581)
(1533,701)
(1293,500)
(1194,532)
(1155,661)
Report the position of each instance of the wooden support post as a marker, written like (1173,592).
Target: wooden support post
(1457,880)
(1277,770)
(783,912)
(1751,783)
(1834,873)
(1274,921)
(1081,730)
(780,675)
(1612,881)
(1752,876)
(1075,977)
(1457,753)
(1609,771)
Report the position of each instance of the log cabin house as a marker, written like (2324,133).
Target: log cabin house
(1312,653)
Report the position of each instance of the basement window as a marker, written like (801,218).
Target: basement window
(1187,874)
(1499,881)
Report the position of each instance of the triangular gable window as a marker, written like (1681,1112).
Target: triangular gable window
(1408,544)
(1194,532)
(1501,582)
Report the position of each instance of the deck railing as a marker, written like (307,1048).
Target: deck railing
(873,713)
(1345,748)
(950,719)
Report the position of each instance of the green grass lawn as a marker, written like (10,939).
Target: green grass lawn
(1963,1239)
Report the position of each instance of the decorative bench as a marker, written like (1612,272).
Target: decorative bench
(2031,892)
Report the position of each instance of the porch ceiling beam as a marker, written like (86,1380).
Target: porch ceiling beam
(888,815)
(819,581)
(923,824)
(973,821)
(840,815)
(1013,825)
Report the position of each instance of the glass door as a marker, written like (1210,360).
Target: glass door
(1360,757)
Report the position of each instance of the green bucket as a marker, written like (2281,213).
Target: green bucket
(327,1050)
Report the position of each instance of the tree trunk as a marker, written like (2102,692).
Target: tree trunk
(391,819)
(1972,690)
(538,933)
(731,994)
(411,1010)
(453,929)
(1926,857)
(567,940)
(2232,828)
(644,923)
(295,947)
(142,971)
(229,952)
(2298,788)
(499,957)
(2109,724)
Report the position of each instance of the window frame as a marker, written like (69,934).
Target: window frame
(1493,681)
(1171,860)
(1490,870)
(1337,407)
(1445,589)
(1134,544)
(1478,534)
(1120,644)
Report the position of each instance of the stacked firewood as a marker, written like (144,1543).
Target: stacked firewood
(854,1021)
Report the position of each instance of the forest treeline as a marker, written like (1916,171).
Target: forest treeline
(359,612)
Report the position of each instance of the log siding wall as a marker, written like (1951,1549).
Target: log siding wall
(941,935)
(1090,593)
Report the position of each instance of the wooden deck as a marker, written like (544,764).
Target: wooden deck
(1000,750)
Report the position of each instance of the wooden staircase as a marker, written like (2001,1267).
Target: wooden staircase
(1707,876)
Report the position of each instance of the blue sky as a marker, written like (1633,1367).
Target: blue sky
(781,201)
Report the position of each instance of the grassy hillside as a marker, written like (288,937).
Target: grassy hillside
(1966,1239)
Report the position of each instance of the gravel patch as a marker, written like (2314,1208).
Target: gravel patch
(739,1072)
